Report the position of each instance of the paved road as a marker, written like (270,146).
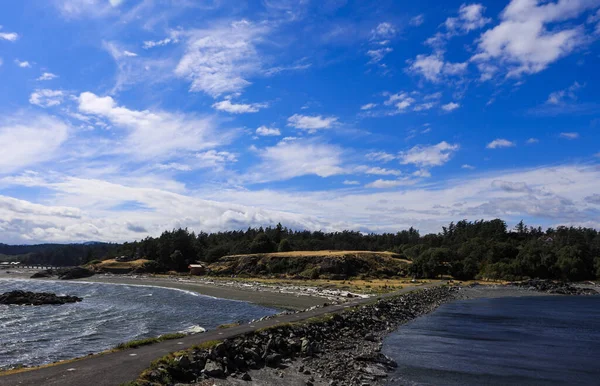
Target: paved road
(123,366)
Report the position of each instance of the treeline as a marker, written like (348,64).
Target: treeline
(58,254)
(465,250)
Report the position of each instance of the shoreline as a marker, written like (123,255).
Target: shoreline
(274,297)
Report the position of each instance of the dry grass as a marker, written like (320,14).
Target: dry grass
(324,253)
(113,264)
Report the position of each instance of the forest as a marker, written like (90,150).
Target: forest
(464,250)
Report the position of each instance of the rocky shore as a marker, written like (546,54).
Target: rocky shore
(64,273)
(339,349)
(551,287)
(36,298)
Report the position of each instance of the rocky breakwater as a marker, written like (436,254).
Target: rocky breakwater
(337,349)
(552,287)
(36,298)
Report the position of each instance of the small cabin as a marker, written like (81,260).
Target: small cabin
(197,269)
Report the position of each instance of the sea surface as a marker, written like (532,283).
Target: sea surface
(505,341)
(108,315)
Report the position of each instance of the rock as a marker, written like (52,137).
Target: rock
(183,362)
(246,377)
(75,273)
(306,347)
(273,360)
(213,369)
(36,298)
(44,273)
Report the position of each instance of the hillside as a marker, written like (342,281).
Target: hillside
(113,266)
(313,264)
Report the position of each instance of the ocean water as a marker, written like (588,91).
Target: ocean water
(505,341)
(108,315)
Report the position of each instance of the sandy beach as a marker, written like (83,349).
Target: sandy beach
(289,298)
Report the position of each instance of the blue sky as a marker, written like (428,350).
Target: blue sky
(123,118)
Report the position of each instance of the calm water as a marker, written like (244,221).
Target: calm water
(505,341)
(108,315)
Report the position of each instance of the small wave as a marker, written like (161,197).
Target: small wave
(195,329)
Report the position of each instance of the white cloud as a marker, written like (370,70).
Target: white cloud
(368,106)
(381,156)
(424,106)
(47,76)
(386,184)
(46,97)
(423,173)
(525,42)
(467,166)
(219,60)
(153,134)
(9,36)
(294,67)
(132,69)
(401,100)
(215,159)
(289,159)
(569,135)
(531,141)
(558,97)
(240,108)
(82,209)
(424,156)
(91,8)
(433,67)
(470,17)
(29,140)
(311,123)
(383,31)
(174,166)
(377,171)
(23,64)
(417,20)
(499,143)
(378,54)
(267,131)
(450,106)
(172,39)
(351,182)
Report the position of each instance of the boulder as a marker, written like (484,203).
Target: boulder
(36,298)
(214,369)
(75,273)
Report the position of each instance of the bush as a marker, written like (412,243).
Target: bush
(152,266)
(95,261)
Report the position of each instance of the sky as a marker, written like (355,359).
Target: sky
(120,119)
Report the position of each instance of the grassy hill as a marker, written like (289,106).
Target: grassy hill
(313,264)
(113,266)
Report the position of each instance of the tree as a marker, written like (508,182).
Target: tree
(262,244)
(284,246)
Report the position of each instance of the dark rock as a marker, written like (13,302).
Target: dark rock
(213,369)
(43,274)
(36,298)
(273,360)
(246,377)
(75,273)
